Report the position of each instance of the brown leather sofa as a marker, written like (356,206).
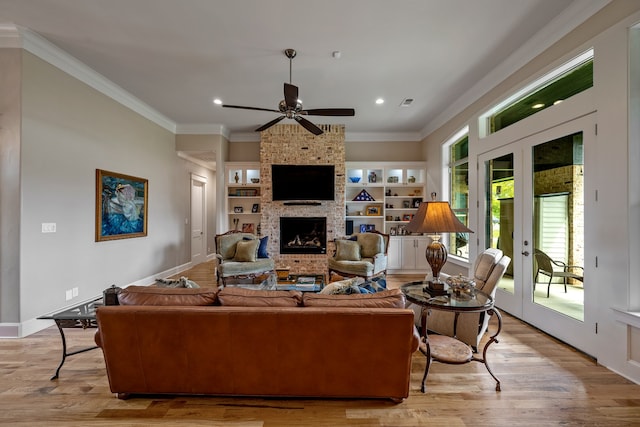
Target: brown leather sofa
(257,343)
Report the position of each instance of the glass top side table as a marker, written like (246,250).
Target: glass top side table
(446,349)
(80,316)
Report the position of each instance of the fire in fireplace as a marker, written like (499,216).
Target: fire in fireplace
(303,235)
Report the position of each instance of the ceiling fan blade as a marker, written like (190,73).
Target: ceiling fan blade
(271,123)
(290,95)
(330,112)
(308,125)
(249,108)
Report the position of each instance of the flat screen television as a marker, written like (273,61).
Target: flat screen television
(303,182)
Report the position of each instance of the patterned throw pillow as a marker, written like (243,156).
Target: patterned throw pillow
(246,250)
(347,250)
(343,287)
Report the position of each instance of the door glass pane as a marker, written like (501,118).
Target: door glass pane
(499,223)
(558,225)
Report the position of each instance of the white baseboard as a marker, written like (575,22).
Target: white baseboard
(31,326)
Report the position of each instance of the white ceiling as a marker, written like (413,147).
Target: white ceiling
(176,56)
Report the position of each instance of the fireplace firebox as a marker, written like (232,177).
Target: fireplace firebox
(303,235)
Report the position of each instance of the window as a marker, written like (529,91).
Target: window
(565,81)
(458,154)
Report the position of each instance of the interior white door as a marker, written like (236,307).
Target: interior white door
(198,241)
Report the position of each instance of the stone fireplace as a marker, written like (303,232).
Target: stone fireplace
(303,235)
(293,144)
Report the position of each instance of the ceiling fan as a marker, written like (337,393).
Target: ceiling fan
(291,107)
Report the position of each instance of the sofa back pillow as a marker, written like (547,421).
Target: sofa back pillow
(151,295)
(392,298)
(239,297)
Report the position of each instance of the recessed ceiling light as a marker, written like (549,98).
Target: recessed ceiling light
(217,101)
(379,101)
(557,102)
(536,106)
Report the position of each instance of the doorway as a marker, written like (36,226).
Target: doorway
(198,223)
(534,202)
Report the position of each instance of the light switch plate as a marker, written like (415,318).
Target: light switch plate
(48,227)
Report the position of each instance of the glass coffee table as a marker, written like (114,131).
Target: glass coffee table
(443,348)
(79,316)
(309,282)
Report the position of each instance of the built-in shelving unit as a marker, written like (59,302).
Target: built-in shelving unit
(395,190)
(243,189)
(392,193)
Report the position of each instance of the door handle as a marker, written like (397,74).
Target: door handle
(525,253)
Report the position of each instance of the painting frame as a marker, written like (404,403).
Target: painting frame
(121,206)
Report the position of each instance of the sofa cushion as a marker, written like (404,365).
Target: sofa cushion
(246,250)
(392,298)
(151,295)
(347,250)
(240,297)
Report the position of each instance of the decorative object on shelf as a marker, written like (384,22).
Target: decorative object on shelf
(247,228)
(411,179)
(255,180)
(434,218)
(373,210)
(364,228)
(373,177)
(235,223)
(354,179)
(406,217)
(255,208)
(363,196)
(392,180)
(389,218)
(417,191)
(246,192)
(397,218)
(406,204)
(416,203)
(121,206)
(238,209)
(402,230)
(236,178)
(388,192)
(393,231)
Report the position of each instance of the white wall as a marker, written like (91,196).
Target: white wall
(68,131)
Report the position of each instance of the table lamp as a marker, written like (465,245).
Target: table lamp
(432,219)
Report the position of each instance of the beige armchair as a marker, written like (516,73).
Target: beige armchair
(488,269)
(241,256)
(363,255)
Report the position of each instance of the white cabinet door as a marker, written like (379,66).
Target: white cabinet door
(394,254)
(421,249)
(408,254)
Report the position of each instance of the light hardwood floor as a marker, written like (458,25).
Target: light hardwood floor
(544,383)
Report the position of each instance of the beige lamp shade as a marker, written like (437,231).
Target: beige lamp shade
(436,217)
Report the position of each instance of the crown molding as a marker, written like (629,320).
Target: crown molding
(570,18)
(348,136)
(9,36)
(47,51)
(203,129)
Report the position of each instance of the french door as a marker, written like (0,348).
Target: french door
(534,199)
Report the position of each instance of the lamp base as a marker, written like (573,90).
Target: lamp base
(434,288)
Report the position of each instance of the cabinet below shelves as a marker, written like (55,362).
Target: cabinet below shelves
(406,255)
